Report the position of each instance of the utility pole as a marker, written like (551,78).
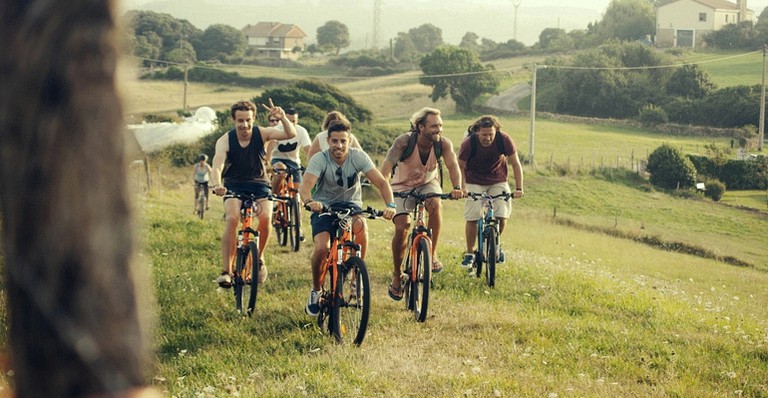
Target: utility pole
(761,131)
(376,23)
(533,115)
(515,3)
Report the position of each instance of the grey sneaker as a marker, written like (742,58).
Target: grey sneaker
(500,258)
(313,303)
(224,280)
(469,260)
(262,272)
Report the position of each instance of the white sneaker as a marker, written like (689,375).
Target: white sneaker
(224,280)
(262,272)
(313,303)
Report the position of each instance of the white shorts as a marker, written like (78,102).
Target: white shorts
(473,209)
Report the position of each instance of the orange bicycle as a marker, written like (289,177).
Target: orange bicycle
(246,272)
(418,261)
(286,217)
(347,313)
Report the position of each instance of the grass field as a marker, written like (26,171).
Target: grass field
(577,312)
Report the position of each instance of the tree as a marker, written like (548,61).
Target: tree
(470,41)
(458,72)
(549,35)
(333,34)
(426,37)
(171,32)
(404,49)
(690,81)
(670,169)
(627,20)
(73,298)
(221,40)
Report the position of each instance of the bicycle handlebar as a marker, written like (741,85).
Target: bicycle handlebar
(244,197)
(369,212)
(422,197)
(480,195)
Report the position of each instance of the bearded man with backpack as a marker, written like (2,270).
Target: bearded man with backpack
(485,156)
(416,158)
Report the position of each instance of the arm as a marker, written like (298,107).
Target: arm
(381,183)
(517,170)
(386,169)
(451,162)
(222,147)
(313,149)
(305,191)
(463,168)
(270,148)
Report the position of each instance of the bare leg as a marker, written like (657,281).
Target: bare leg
(470,234)
(402,225)
(360,231)
(228,238)
(264,216)
(435,211)
(322,246)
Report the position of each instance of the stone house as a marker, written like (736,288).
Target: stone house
(275,40)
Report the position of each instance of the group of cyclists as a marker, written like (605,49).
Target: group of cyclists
(245,156)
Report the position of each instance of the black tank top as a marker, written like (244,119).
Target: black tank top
(245,164)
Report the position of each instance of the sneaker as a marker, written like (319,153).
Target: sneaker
(469,260)
(224,280)
(500,258)
(313,303)
(262,272)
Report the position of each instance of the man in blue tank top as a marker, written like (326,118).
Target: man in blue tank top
(240,159)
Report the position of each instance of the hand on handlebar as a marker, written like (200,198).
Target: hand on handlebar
(388,213)
(219,190)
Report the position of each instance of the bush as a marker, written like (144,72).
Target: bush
(670,169)
(714,189)
(651,115)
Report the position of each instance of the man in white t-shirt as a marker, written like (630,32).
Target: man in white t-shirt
(286,154)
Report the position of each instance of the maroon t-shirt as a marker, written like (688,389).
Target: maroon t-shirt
(487,166)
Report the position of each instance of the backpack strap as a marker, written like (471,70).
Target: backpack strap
(412,137)
(473,145)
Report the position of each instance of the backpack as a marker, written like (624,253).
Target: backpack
(438,146)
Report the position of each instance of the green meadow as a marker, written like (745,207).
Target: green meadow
(610,289)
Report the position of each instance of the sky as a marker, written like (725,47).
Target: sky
(497,20)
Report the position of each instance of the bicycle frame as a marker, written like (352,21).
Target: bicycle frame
(247,253)
(286,219)
(487,228)
(343,260)
(419,244)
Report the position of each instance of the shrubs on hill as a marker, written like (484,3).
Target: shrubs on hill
(670,169)
(714,189)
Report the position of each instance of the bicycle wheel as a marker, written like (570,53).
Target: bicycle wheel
(246,277)
(355,304)
(490,255)
(294,224)
(252,268)
(420,287)
(281,228)
(201,205)
(333,303)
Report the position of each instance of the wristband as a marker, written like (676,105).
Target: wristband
(308,201)
(392,205)
(457,188)
(519,189)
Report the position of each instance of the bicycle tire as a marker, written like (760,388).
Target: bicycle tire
(420,288)
(201,205)
(253,264)
(294,222)
(355,306)
(237,279)
(491,238)
(333,302)
(281,230)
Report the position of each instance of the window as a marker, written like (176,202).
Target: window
(702,17)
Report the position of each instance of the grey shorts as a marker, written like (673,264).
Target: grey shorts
(473,209)
(406,206)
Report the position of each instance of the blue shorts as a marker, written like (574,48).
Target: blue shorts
(293,168)
(260,190)
(324,223)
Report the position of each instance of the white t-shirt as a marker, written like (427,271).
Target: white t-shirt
(289,149)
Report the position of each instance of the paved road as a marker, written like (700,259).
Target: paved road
(507,99)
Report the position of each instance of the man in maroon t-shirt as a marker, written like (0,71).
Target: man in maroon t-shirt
(484,158)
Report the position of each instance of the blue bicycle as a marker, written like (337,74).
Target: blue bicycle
(487,237)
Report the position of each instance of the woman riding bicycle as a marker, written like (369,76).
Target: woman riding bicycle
(201,176)
(484,156)
(335,174)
